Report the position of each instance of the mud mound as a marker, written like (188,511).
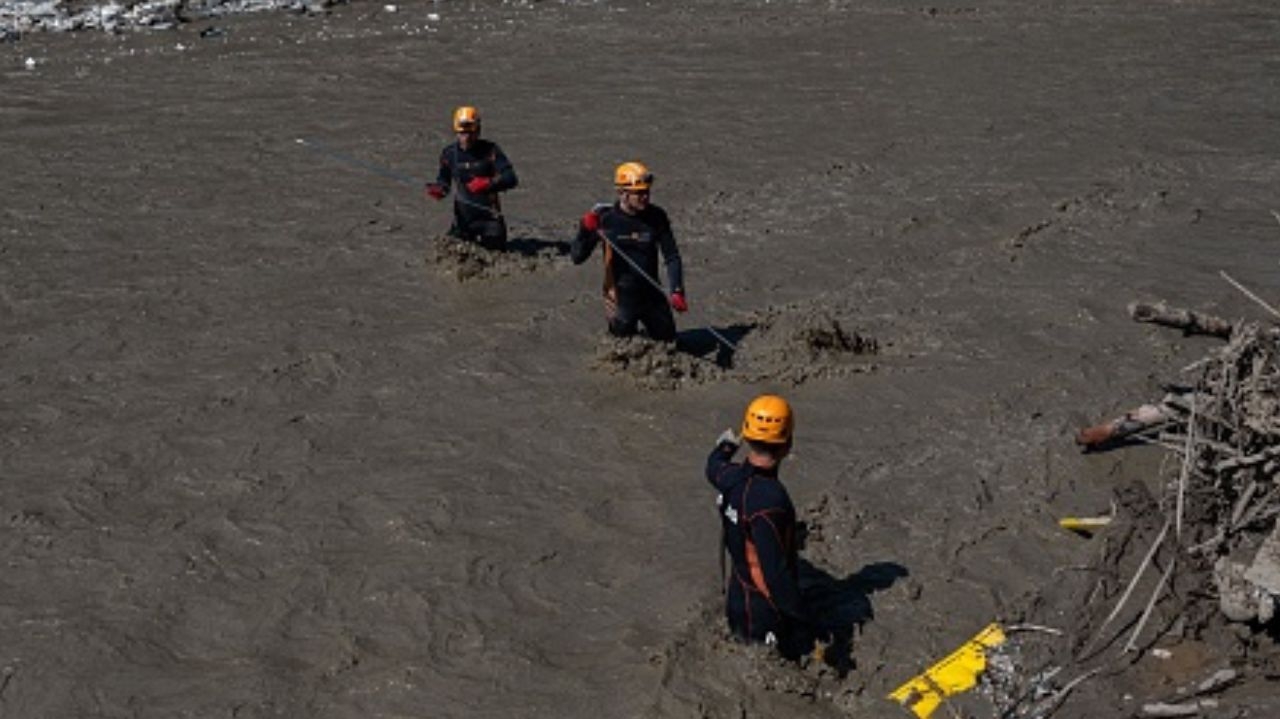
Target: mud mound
(654,365)
(468,261)
(797,343)
(696,683)
(788,345)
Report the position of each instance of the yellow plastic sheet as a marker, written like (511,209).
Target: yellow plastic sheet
(955,674)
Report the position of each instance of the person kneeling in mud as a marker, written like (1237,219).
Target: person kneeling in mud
(762,599)
(481,171)
(639,231)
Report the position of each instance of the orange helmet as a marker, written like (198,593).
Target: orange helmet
(466,118)
(632,176)
(768,419)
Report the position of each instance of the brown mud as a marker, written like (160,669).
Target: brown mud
(785,346)
(467,261)
(268,450)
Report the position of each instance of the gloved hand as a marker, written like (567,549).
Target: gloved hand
(678,302)
(728,437)
(479,185)
(591,221)
(435,191)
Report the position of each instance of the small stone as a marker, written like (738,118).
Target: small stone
(30,64)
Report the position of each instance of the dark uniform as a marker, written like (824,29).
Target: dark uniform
(759,524)
(477,217)
(632,300)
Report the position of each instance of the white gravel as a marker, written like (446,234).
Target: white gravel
(19,17)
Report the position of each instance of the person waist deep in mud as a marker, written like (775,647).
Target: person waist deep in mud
(762,600)
(641,230)
(481,171)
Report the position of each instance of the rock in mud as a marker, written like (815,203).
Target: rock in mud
(1240,599)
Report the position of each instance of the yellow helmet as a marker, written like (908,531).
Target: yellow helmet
(632,176)
(768,419)
(466,118)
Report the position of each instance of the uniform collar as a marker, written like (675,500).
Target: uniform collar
(770,472)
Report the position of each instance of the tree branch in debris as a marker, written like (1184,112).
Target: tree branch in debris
(1190,322)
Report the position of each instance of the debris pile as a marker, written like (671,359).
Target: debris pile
(1223,429)
(20,17)
(1197,555)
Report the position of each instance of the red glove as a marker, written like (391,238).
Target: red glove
(678,302)
(479,185)
(435,191)
(591,221)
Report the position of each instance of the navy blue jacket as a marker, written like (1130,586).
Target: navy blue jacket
(484,159)
(759,520)
(642,237)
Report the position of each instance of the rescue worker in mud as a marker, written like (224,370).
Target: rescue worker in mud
(481,171)
(762,599)
(640,231)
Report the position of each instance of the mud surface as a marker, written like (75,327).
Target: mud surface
(269,451)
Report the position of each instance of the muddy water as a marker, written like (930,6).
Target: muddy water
(265,455)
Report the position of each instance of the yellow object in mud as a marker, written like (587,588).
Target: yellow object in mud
(1084,524)
(955,674)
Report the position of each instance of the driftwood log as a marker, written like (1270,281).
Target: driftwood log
(1185,709)
(1189,321)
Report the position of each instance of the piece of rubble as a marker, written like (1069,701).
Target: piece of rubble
(1265,570)
(1240,599)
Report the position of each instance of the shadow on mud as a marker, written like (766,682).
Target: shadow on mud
(701,342)
(843,605)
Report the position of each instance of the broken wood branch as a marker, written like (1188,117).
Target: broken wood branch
(1188,454)
(1189,321)
(1245,290)
(1133,582)
(1185,709)
(1218,680)
(1132,644)
(1248,461)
